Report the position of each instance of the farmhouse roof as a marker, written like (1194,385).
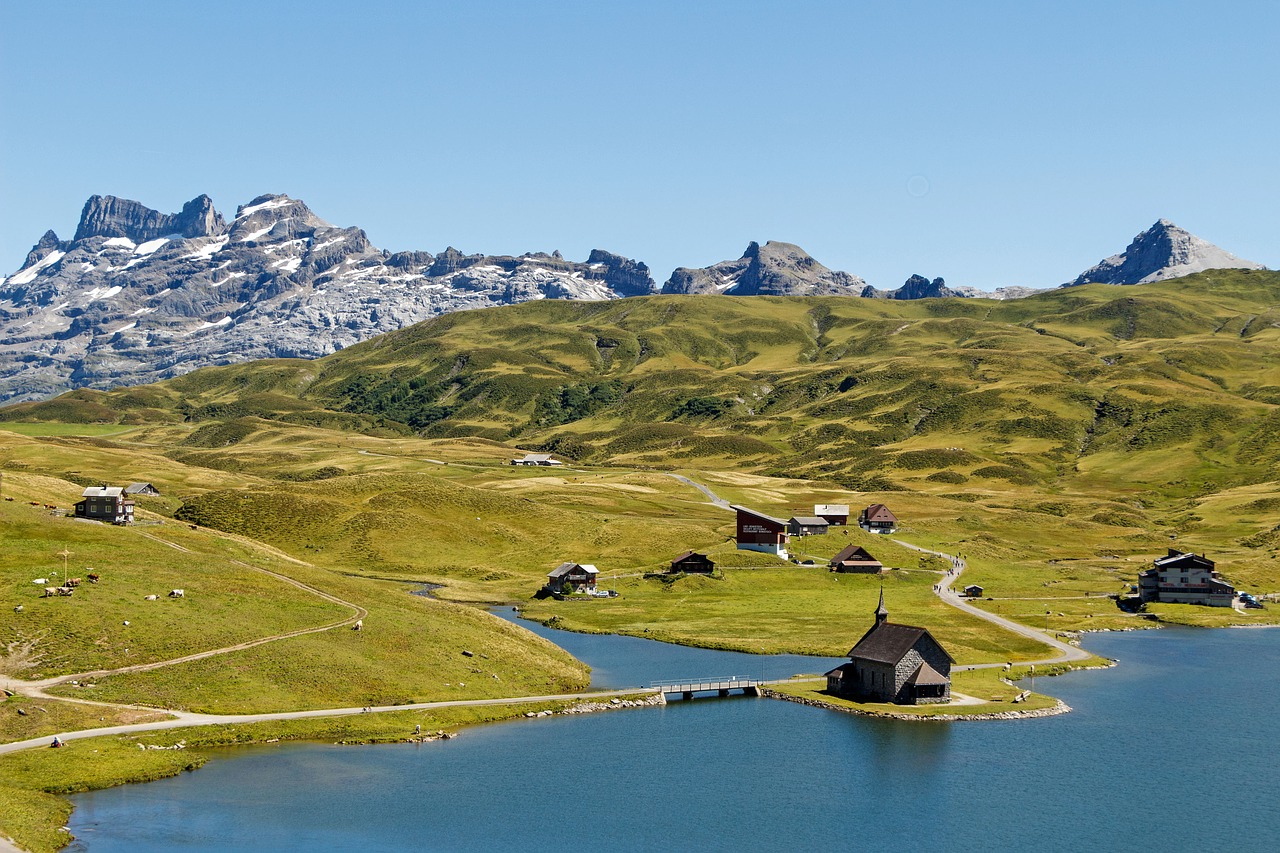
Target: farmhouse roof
(536,457)
(752,512)
(879,512)
(831,509)
(808,520)
(1176,556)
(564,569)
(853,554)
(102,492)
(135,488)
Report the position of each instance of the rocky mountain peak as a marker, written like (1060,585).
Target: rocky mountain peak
(1162,252)
(774,269)
(140,295)
(916,287)
(109,216)
(48,243)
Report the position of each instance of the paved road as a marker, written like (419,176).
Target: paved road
(1067,652)
(715,499)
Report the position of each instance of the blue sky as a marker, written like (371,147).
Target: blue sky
(989,143)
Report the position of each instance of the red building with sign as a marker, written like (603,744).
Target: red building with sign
(760,532)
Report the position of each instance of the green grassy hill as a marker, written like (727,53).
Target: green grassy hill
(1068,386)
(1060,442)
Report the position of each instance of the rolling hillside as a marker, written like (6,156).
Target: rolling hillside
(1173,385)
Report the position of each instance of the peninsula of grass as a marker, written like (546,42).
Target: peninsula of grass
(985,684)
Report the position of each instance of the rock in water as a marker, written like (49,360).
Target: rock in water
(1161,252)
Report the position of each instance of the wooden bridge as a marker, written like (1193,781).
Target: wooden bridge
(722,686)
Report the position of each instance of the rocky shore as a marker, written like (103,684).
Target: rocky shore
(1059,708)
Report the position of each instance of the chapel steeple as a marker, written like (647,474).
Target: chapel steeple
(882,614)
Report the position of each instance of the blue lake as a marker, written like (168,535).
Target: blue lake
(1172,750)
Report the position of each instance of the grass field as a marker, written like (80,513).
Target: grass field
(1058,443)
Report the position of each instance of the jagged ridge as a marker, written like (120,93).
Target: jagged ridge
(138,295)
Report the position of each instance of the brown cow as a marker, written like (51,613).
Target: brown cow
(94,577)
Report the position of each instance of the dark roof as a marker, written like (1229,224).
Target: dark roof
(842,669)
(682,556)
(757,514)
(889,643)
(854,554)
(926,674)
(879,512)
(564,569)
(1179,559)
(690,555)
(809,521)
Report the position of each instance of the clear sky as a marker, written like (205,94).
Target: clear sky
(989,143)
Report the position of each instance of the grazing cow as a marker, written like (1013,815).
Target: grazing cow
(94,577)
(65,590)
(359,625)
(177,593)
(152,598)
(73,581)
(50,591)
(193,527)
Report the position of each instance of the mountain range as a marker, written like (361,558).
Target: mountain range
(138,295)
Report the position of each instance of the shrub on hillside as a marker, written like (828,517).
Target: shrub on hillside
(1006,472)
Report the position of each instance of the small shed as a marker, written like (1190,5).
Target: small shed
(836,515)
(973,591)
(691,563)
(855,559)
(878,518)
(571,577)
(141,489)
(807,525)
(542,459)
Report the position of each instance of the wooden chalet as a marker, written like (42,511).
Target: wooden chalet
(807,525)
(894,663)
(692,563)
(1182,578)
(854,558)
(541,459)
(571,577)
(973,591)
(759,532)
(878,518)
(837,515)
(141,489)
(105,503)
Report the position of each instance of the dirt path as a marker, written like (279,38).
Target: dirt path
(187,720)
(1067,653)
